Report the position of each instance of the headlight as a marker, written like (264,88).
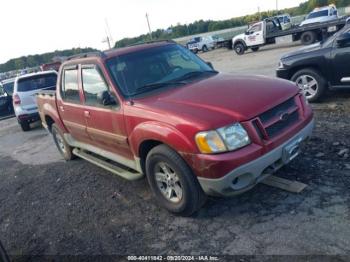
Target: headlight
(224,139)
(280,65)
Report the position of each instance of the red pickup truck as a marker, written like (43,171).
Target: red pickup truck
(158,110)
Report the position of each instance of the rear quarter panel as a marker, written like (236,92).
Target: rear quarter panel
(47,107)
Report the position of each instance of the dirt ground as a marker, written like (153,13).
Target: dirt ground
(50,207)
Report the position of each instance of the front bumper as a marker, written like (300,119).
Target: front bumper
(248,175)
(283,73)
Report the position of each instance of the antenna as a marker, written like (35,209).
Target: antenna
(149,27)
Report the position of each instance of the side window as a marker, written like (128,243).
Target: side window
(70,89)
(255,28)
(93,84)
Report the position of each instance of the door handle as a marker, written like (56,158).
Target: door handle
(62,108)
(87,114)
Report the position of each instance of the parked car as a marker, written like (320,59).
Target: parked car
(201,43)
(5,102)
(158,109)
(321,15)
(6,91)
(285,21)
(8,85)
(25,88)
(320,66)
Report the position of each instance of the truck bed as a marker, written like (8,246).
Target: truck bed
(339,23)
(46,100)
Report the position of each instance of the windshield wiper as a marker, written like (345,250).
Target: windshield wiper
(157,85)
(195,74)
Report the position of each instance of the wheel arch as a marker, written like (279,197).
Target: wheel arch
(150,134)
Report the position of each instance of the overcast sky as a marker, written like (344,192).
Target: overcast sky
(39,26)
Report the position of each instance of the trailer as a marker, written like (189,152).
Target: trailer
(265,32)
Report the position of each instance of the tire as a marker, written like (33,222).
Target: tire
(25,126)
(308,38)
(173,174)
(255,48)
(61,144)
(306,80)
(205,48)
(239,49)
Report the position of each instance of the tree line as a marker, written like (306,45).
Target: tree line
(203,26)
(172,32)
(37,60)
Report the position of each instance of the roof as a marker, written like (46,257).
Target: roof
(37,74)
(323,8)
(118,51)
(9,80)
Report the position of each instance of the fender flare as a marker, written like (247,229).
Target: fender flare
(49,111)
(240,41)
(161,132)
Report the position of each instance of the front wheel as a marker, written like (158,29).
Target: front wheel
(310,83)
(239,49)
(172,182)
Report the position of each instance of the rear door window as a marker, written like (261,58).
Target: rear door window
(70,87)
(47,81)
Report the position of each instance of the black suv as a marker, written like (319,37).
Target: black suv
(320,66)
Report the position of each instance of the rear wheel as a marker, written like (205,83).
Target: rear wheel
(308,38)
(310,83)
(239,49)
(62,145)
(205,48)
(172,182)
(25,126)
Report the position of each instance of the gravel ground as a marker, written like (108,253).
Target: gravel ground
(50,207)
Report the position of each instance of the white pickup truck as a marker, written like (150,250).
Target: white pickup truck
(265,32)
(201,43)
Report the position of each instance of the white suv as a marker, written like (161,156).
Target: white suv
(24,95)
(201,43)
(320,15)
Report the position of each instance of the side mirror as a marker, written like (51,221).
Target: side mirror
(210,64)
(343,40)
(106,99)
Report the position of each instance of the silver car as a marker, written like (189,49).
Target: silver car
(24,95)
(320,15)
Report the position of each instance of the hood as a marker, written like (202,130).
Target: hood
(221,98)
(303,50)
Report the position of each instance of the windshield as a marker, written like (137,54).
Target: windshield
(160,67)
(317,14)
(8,87)
(37,82)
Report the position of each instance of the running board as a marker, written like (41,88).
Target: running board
(117,170)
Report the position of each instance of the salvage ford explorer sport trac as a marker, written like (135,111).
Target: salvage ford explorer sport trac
(158,110)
